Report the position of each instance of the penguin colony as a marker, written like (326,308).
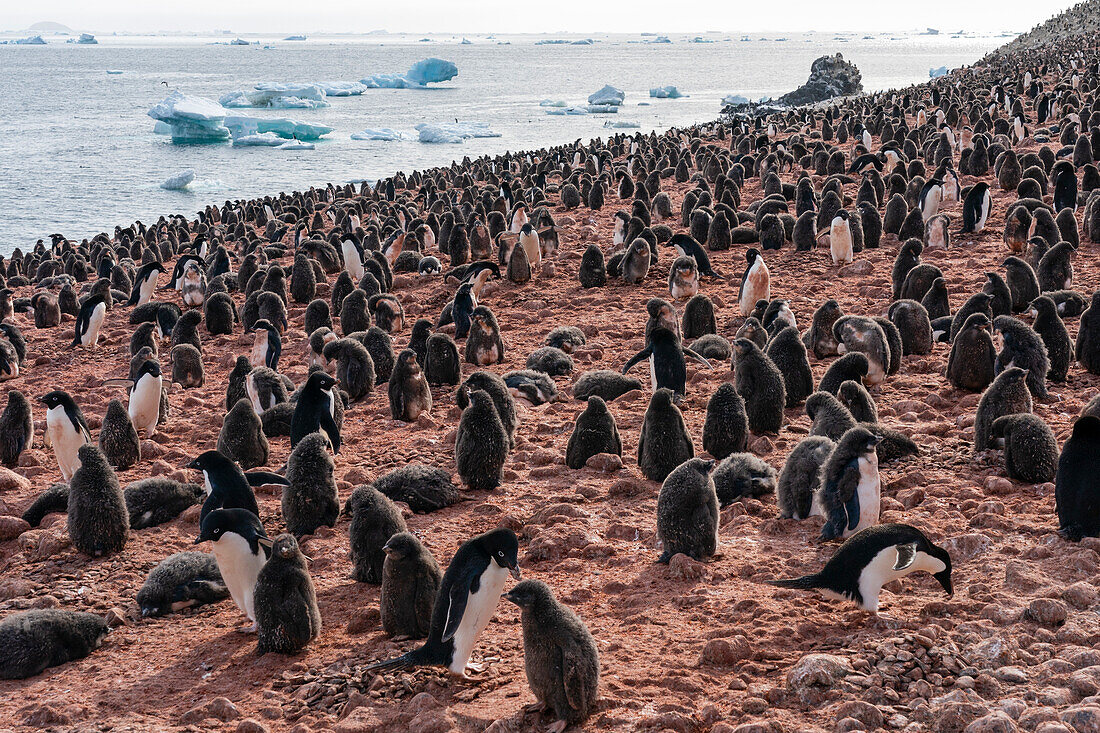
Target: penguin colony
(781,364)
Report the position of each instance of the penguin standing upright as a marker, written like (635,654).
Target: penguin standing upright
(16,428)
(241,548)
(145,283)
(225,483)
(316,410)
(468,596)
(89,320)
(850,493)
(1076,494)
(666,360)
(976,207)
(755,282)
(287,617)
(66,430)
(870,559)
(267,346)
(145,393)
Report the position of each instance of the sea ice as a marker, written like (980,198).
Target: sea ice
(453,132)
(568,111)
(296,145)
(669,92)
(277,96)
(933,73)
(381,133)
(113,72)
(179,181)
(552,103)
(87,38)
(190,119)
(603,109)
(420,74)
(609,95)
(241,125)
(342,88)
(258,139)
(295,38)
(30,41)
(621,123)
(735,99)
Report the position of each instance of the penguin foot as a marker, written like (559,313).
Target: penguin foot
(557,727)
(535,707)
(248,629)
(402,637)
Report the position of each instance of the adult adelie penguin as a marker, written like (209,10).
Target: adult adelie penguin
(559,654)
(66,430)
(665,352)
(316,410)
(89,320)
(755,282)
(468,597)
(850,492)
(267,344)
(686,246)
(145,393)
(225,484)
(287,617)
(241,547)
(976,207)
(870,559)
(840,239)
(145,283)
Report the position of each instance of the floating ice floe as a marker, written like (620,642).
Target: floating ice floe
(453,132)
(381,133)
(420,74)
(568,111)
(295,38)
(735,99)
(583,42)
(180,181)
(238,42)
(552,103)
(661,39)
(190,119)
(296,145)
(258,139)
(277,96)
(30,41)
(603,109)
(553,42)
(241,125)
(669,92)
(621,124)
(466,42)
(609,95)
(342,88)
(86,39)
(934,73)
(113,72)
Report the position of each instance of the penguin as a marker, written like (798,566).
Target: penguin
(1006,395)
(318,340)
(971,364)
(566,338)
(264,389)
(819,337)
(841,246)
(908,257)
(608,384)
(683,279)
(664,442)
(977,303)
(529,241)
(830,417)
(145,283)
(464,303)
(468,596)
(242,437)
(1022,282)
(661,313)
(267,345)
(1087,347)
(726,426)
(666,361)
(316,410)
(221,315)
(742,475)
(117,437)
(481,444)
(45,310)
(865,335)
(858,400)
(179,581)
(761,385)
(98,522)
(143,406)
(687,511)
(156,500)
(374,519)
(1031,451)
(187,368)
(687,246)
(594,432)
(800,477)
(788,353)
(484,345)
(408,390)
(16,428)
(559,654)
(241,548)
(1075,486)
(389,315)
(379,345)
(192,285)
(636,262)
(287,617)
(592,272)
(853,365)
(914,327)
(410,584)
(33,641)
(355,369)
(317,315)
(712,347)
(1022,347)
(66,430)
(88,322)
(424,488)
(931,196)
(850,492)
(1048,324)
(755,282)
(225,484)
(442,365)
(753,331)
(976,208)
(309,500)
(503,396)
(54,499)
(870,559)
(1017,224)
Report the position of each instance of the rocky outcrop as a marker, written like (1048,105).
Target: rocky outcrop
(830,76)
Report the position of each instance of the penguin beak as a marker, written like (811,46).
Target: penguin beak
(509,597)
(200,539)
(193,465)
(513,570)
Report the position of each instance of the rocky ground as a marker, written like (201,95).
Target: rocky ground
(687,647)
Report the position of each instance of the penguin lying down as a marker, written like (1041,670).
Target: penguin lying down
(870,559)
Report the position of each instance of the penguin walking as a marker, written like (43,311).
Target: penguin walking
(850,493)
(225,483)
(870,559)
(241,547)
(468,597)
(88,322)
(66,431)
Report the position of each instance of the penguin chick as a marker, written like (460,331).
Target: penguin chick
(410,583)
(761,385)
(484,345)
(242,437)
(1031,451)
(566,338)
(858,400)
(664,442)
(870,559)
(594,432)
(16,428)
(535,387)
(354,366)
(1048,324)
(424,488)
(287,617)
(481,444)
(726,427)
(32,641)
(1022,347)
(830,417)
(179,581)
(98,522)
(605,383)
(742,475)
(374,520)
(504,392)
(309,501)
(687,511)
(408,390)
(970,365)
(800,477)
(819,337)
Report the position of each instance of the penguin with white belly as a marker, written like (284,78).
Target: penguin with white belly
(66,430)
(849,496)
(241,547)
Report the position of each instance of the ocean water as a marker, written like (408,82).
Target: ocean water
(78,154)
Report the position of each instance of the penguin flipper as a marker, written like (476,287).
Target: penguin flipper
(852,508)
(643,354)
(331,429)
(701,359)
(465,584)
(907,554)
(262,478)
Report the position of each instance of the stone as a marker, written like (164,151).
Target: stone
(682,567)
(1047,611)
(248,725)
(814,674)
(830,76)
(1083,719)
(726,652)
(12,527)
(1080,595)
(996,722)
(604,462)
(10,480)
(861,267)
(866,713)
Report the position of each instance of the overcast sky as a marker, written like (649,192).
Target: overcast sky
(525,16)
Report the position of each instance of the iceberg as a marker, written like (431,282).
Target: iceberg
(603,109)
(621,123)
(113,72)
(30,41)
(430,71)
(609,95)
(661,39)
(453,132)
(277,96)
(381,133)
(241,125)
(669,92)
(568,111)
(552,103)
(552,42)
(342,88)
(735,99)
(295,38)
(466,42)
(258,139)
(583,42)
(86,38)
(238,42)
(190,119)
(179,181)
(934,73)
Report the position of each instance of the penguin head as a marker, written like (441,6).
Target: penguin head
(751,254)
(321,381)
(406,361)
(502,546)
(220,522)
(286,547)
(402,545)
(57,398)
(944,576)
(743,347)
(977,321)
(210,461)
(528,594)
